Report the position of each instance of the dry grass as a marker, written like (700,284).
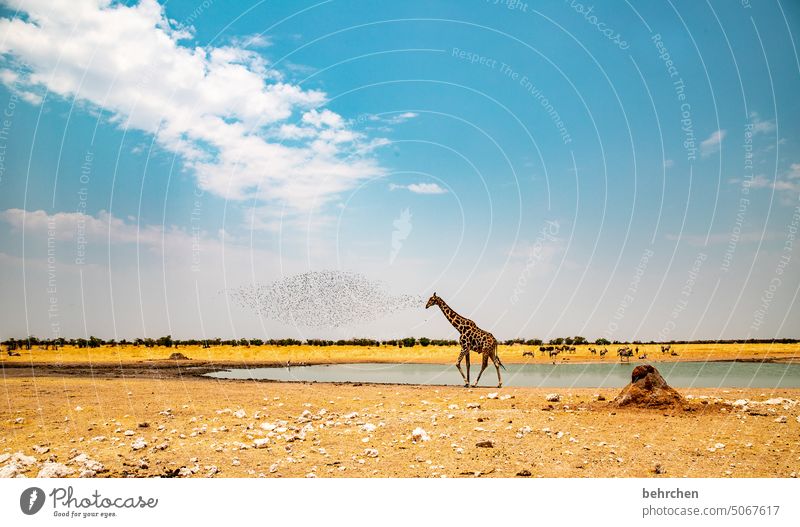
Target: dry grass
(419,354)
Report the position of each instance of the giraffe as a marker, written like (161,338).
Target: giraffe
(472,338)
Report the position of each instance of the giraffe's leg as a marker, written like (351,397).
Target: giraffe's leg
(458,365)
(497,366)
(467,359)
(484,363)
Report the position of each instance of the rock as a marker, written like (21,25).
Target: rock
(144,425)
(368,427)
(659,469)
(781,419)
(719,446)
(18,458)
(89,466)
(178,356)
(553,397)
(139,443)
(370,452)
(129,433)
(505,397)
(241,414)
(261,442)
(648,389)
(40,449)
(54,470)
(475,406)
(418,435)
(485,444)
(492,395)
(524,473)
(4,457)
(19,420)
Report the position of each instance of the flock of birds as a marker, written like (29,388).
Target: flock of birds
(323,299)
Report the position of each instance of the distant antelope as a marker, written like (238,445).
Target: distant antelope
(625,353)
(527,354)
(603,352)
(593,351)
(665,349)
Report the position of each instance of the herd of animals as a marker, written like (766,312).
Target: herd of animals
(624,353)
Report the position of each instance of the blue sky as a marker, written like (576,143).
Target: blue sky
(565,168)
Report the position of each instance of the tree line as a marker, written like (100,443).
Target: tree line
(28,343)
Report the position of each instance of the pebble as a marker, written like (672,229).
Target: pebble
(553,397)
(261,442)
(139,443)
(475,406)
(419,435)
(781,419)
(485,444)
(241,414)
(492,395)
(40,449)
(370,452)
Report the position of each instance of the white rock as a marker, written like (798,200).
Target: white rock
(18,458)
(261,442)
(553,397)
(54,470)
(88,464)
(453,407)
(129,432)
(506,396)
(492,395)
(139,443)
(781,419)
(351,415)
(4,457)
(11,470)
(370,452)
(40,449)
(273,468)
(740,402)
(368,427)
(719,446)
(241,414)
(474,405)
(418,435)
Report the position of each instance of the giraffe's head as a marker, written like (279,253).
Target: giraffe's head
(433,300)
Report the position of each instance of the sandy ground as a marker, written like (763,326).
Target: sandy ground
(143,426)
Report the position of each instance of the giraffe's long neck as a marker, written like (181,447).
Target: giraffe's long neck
(454,318)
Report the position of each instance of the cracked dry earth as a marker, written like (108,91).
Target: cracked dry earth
(192,427)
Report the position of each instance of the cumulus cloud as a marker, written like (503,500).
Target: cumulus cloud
(712,144)
(420,188)
(242,130)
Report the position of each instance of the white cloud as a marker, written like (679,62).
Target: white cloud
(712,144)
(65,226)
(759,125)
(420,188)
(221,108)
